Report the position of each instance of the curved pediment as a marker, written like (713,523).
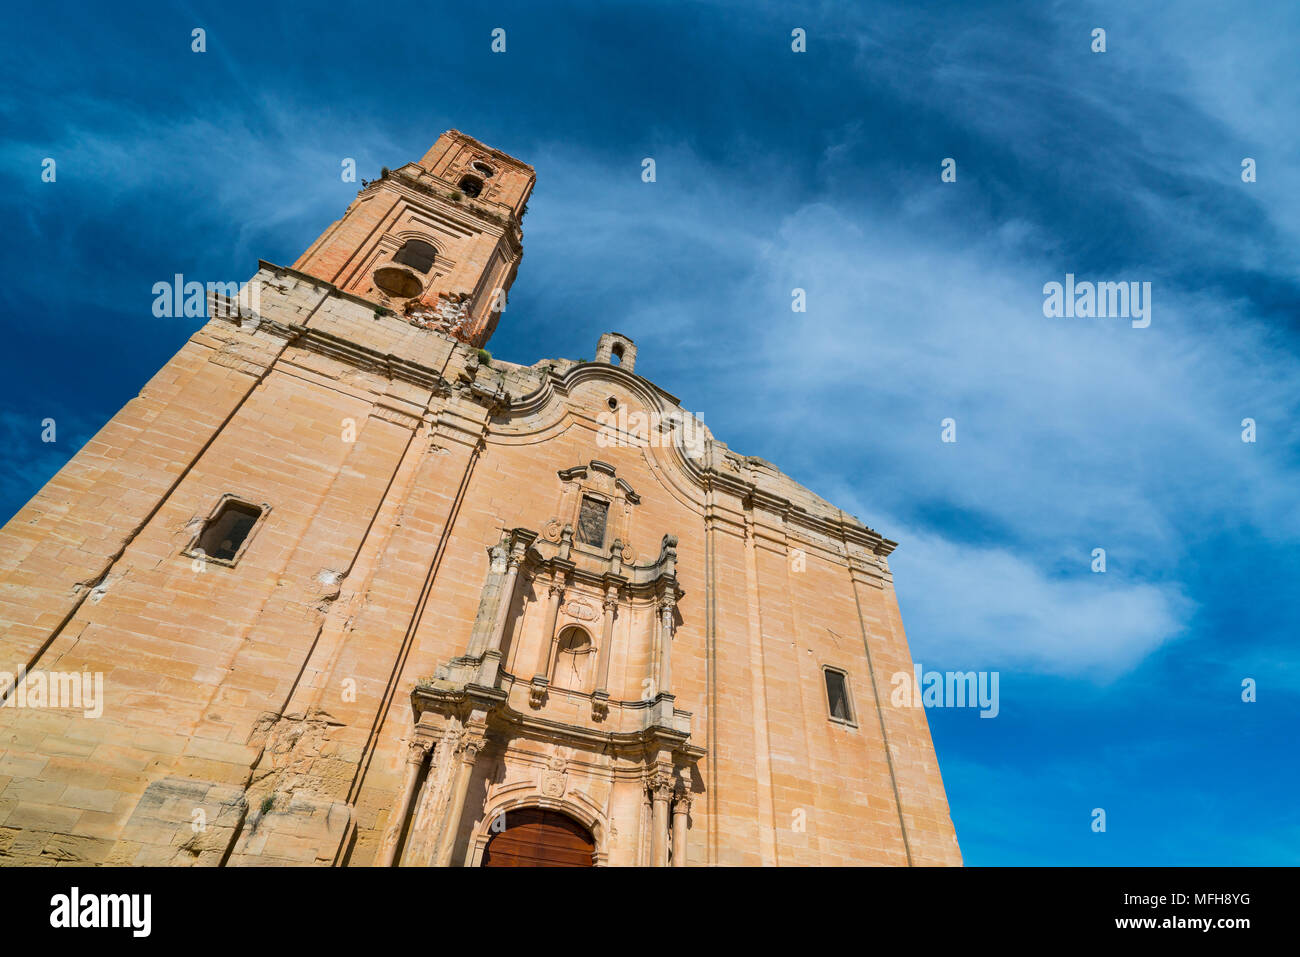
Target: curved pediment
(628,411)
(603,468)
(581,376)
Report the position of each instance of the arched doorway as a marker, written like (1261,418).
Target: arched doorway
(535,837)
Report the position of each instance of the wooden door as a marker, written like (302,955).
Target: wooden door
(538,838)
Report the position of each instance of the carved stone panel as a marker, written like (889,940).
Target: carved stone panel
(580,610)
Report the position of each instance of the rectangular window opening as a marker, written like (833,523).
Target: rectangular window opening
(225,533)
(837,696)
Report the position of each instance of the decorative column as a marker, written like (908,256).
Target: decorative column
(541,678)
(660,784)
(681,813)
(600,700)
(467,753)
(490,660)
(507,600)
(656,656)
(421,841)
(666,606)
(415,755)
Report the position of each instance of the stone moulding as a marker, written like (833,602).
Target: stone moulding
(665,727)
(581,472)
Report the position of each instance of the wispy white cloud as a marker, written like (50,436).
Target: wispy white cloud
(1073,434)
(991,609)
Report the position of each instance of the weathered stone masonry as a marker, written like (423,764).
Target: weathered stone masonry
(470,588)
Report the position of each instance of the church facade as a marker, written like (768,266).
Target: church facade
(348,591)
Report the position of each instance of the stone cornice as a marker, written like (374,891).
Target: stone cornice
(674,736)
(842,528)
(496,154)
(640,581)
(329,287)
(344,349)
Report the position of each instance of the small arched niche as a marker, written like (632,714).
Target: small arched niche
(573,658)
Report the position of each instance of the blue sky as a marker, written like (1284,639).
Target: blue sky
(821,171)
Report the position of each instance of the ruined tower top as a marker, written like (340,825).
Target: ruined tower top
(438,241)
(479,171)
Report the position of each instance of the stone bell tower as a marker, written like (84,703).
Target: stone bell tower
(438,241)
